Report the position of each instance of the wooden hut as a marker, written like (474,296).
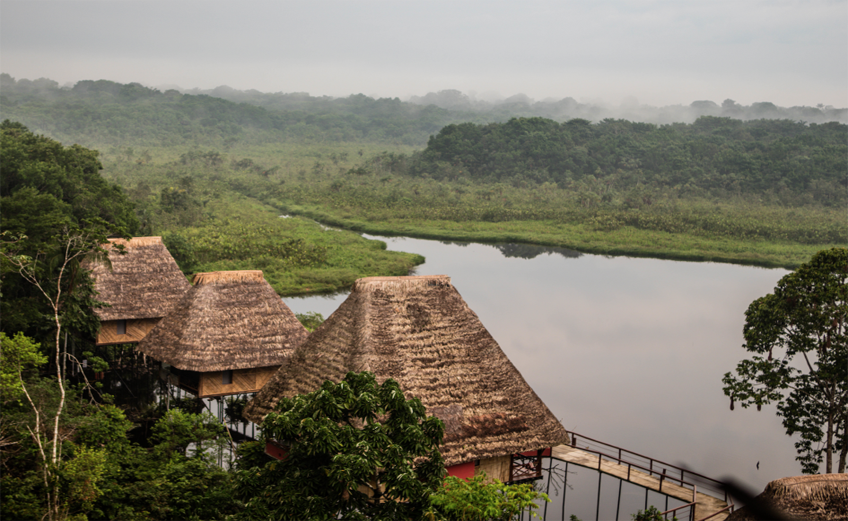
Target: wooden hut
(141,286)
(419,331)
(228,334)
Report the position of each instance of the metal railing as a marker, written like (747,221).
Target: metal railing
(674,511)
(655,468)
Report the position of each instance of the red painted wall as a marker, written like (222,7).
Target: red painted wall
(462,471)
(545,452)
(275,451)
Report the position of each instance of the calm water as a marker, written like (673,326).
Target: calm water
(629,351)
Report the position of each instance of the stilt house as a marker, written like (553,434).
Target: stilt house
(141,286)
(419,331)
(228,335)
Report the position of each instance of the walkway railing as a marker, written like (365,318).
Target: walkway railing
(653,467)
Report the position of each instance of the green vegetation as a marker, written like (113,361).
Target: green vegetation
(354,450)
(805,318)
(478,499)
(764,192)
(98,113)
(651,513)
(706,191)
(209,208)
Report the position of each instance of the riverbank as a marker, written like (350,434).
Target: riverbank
(624,241)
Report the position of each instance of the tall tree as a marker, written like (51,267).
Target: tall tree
(50,283)
(46,188)
(800,362)
(355,450)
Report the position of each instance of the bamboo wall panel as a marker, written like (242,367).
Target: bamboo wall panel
(263,374)
(495,468)
(136,330)
(244,381)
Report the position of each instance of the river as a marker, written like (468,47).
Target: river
(626,350)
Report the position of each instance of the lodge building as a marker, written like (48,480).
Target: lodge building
(228,335)
(140,283)
(420,332)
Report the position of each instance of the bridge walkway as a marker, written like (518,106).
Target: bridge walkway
(650,474)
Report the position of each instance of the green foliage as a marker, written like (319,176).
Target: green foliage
(181,250)
(650,514)
(161,483)
(19,355)
(238,241)
(64,181)
(81,476)
(113,113)
(310,320)
(750,157)
(52,197)
(802,324)
(103,475)
(356,450)
(478,499)
(179,430)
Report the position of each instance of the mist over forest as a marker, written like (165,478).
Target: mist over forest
(99,112)
(521,105)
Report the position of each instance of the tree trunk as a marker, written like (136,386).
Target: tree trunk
(829,445)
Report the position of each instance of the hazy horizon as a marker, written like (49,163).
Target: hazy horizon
(631,52)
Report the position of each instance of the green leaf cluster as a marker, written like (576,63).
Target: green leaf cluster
(479,499)
(799,342)
(20,355)
(355,450)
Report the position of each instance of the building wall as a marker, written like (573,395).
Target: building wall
(244,381)
(135,331)
(495,468)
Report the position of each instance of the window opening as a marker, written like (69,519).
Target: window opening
(122,327)
(227,377)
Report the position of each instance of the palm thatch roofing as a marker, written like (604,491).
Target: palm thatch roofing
(812,497)
(144,282)
(227,320)
(419,331)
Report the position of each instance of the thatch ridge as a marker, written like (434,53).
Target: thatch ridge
(220,277)
(419,331)
(144,282)
(134,242)
(227,321)
(809,497)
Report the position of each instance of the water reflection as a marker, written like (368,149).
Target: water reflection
(521,251)
(531,251)
(630,351)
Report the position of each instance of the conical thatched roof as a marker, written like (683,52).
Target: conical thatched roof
(227,320)
(814,497)
(145,282)
(419,331)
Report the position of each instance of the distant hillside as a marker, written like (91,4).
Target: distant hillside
(97,113)
(104,112)
(567,108)
(467,109)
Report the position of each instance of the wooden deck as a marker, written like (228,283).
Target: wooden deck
(705,505)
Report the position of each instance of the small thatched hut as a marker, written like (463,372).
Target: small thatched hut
(142,286)
(419,331)
(228,334)
(816,497)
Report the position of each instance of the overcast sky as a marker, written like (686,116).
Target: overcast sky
(660,52)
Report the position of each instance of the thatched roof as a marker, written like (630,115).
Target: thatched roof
(814,497)
(144,282)
(227,320)
(419,331)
